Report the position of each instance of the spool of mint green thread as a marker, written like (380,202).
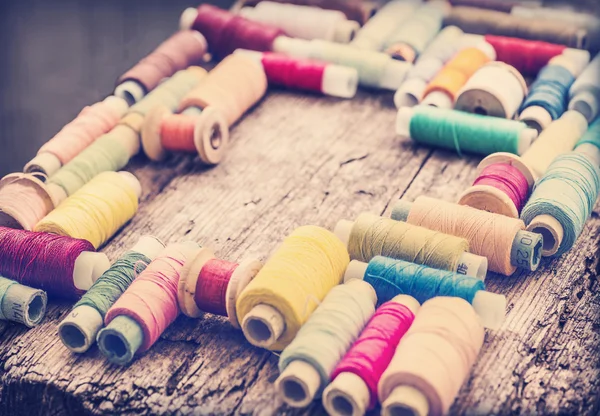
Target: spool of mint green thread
(464,132)
(592,135)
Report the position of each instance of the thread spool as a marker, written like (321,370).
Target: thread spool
(432,360)
(24,200)
(305,367)
(61,266)
(226,32)
(375,32)
(547,100)
(443,89)
(584,95)
(305,74)
(590,142)
(97,211)
(232,87)
(499,5)
(184,48)
(464,132)
(353,388)
(304,22)
(375,69)
(513,246)
(291,284)
(92,122)
(496,90)
(560,137)
(371,235)
(490,22)
(589,21)
(563,200)
(135,322)
(429,63)
(208,284)
(502,186)
(21,304)
(356,10)
(391,278)
(409,40)
(79,329)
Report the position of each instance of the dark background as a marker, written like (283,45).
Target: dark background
(56,56)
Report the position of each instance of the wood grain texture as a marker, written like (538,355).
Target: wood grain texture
(295,159)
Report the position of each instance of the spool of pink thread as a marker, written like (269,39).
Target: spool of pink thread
(136,321)
(353,389)
(502,186)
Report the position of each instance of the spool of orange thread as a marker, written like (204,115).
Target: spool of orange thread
(221,98)
(443,89)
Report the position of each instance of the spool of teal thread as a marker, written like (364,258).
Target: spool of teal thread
(567,193)
(464,132)
(390,278)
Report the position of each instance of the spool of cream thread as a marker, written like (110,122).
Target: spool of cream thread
(405,114)
(300,382)
(525,250)
(573,60)
(488,198)
(430,62)
(375,69)
(469,264)
(21,304)
(560,137)
(13,188)
(491,307)
(348,394)
(79,329)
(186,290)
(123,337)
(303,22)
(441,99)
(47,162)
(496,89)
(584,95)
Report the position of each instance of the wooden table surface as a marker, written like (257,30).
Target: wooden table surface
(295,159)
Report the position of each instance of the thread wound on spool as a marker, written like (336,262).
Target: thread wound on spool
(95,212)
(309,262)
(435,356)
(372,352)
(373,236)
(41,260)
(21,304)
(24,200)
(584,94)
(226,32)
(567,192)
(337,322)
(550,91)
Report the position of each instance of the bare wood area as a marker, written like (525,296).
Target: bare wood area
(298,160)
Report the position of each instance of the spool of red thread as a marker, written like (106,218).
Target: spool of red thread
(184,48)
(502,186)
(527,56)
(353,389)
(62,266)
(306,74)
(208,284)
(226,32)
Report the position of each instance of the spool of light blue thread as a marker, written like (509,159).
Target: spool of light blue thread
(584,95)
(550,92)
(566,193)
(308,362)
(390,278)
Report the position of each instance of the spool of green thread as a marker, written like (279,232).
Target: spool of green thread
(464,132)
(20,303)
(79,329)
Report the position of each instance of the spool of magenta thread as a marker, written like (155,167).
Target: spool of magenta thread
(353,389)
(62,266)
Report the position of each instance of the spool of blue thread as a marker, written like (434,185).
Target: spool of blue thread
(390,278)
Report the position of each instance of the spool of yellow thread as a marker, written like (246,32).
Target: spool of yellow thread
(289,287)
(97,211)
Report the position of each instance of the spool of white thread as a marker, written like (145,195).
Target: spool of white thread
(304,22)
(584,95)
(496,89)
